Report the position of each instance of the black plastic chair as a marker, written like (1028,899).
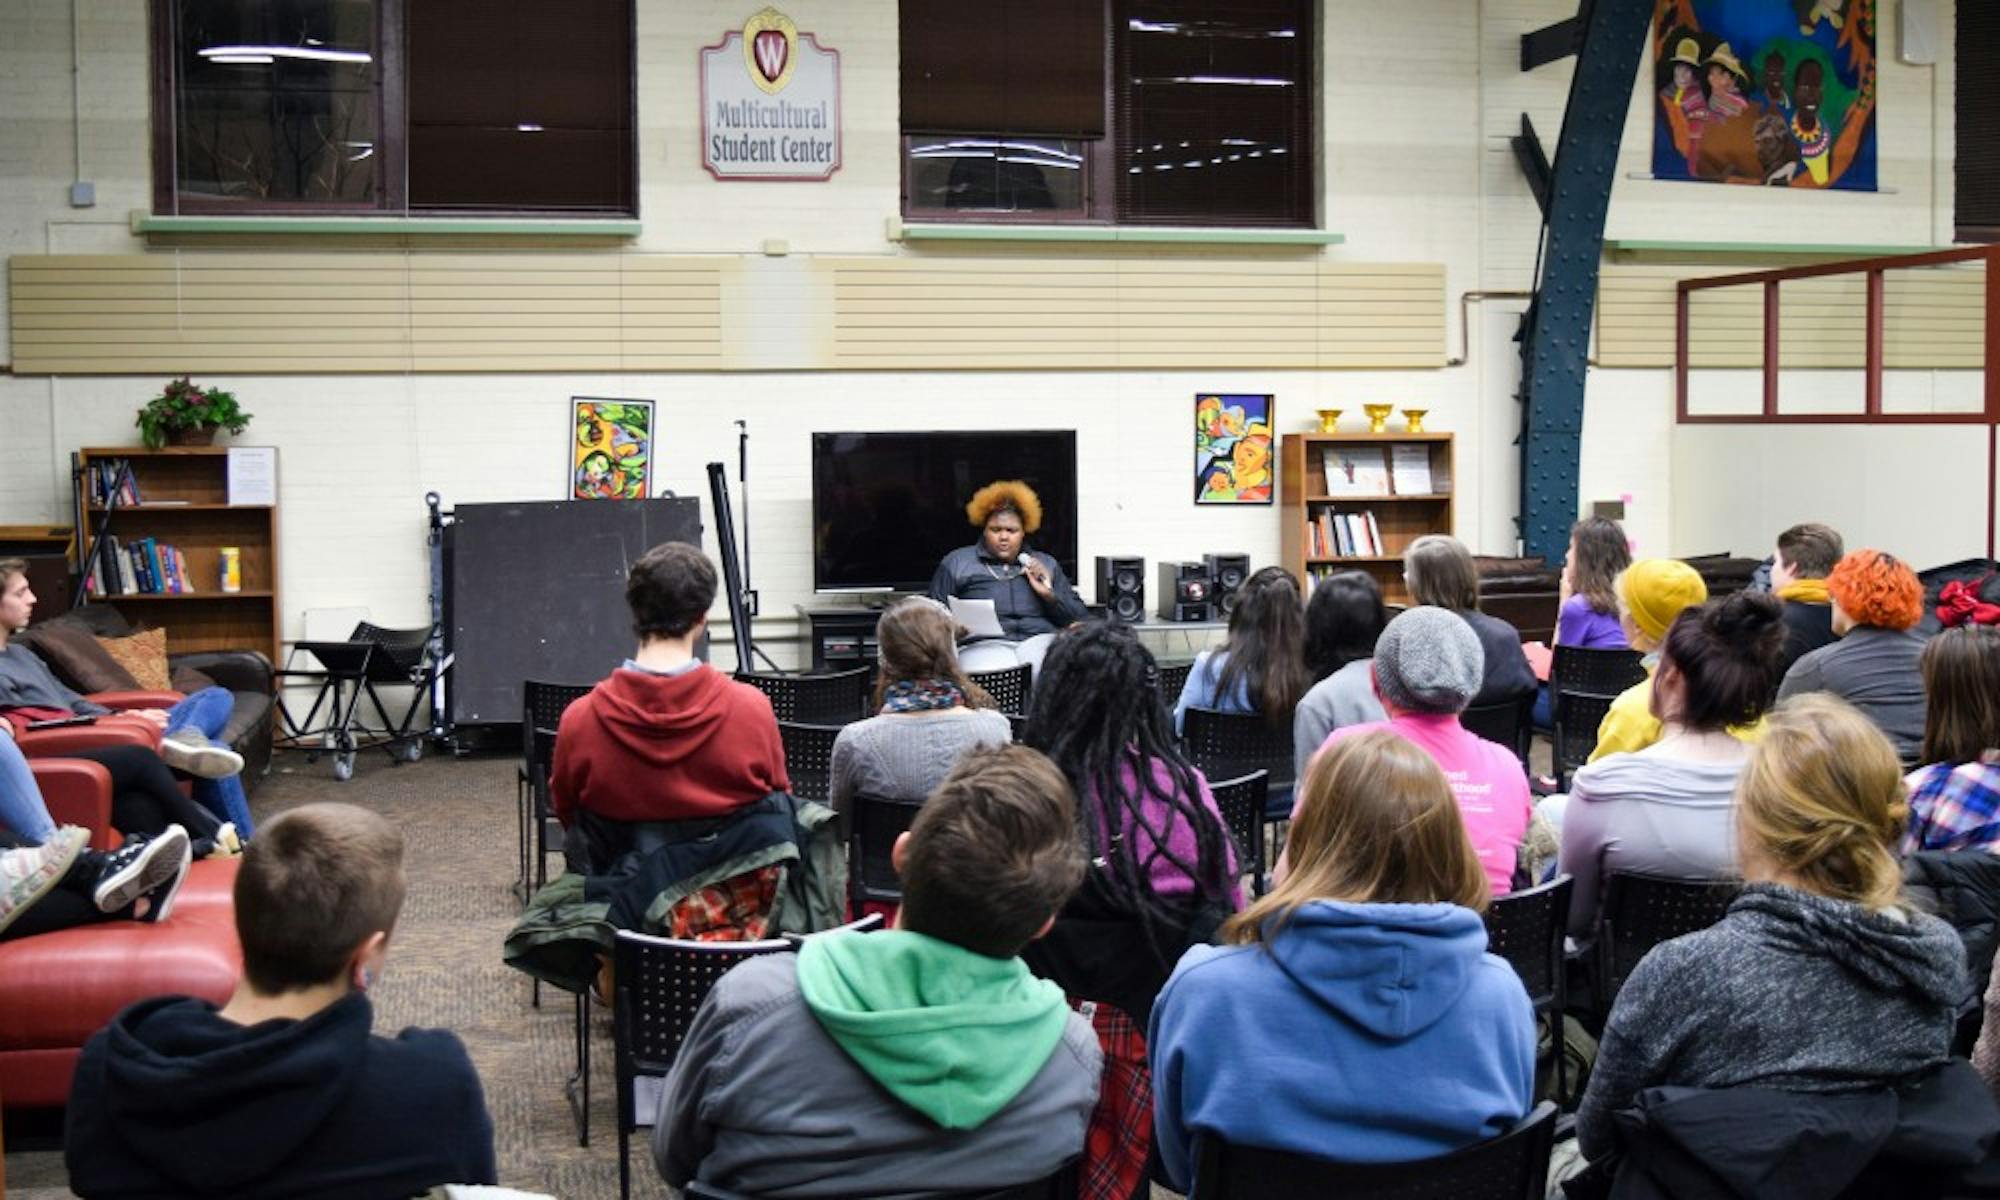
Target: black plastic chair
(1582,685)
(1017,725)
(1527,928)
(809,758)
(1511,723)
(1174,677)
(874,823)
(1641,911)
(1062,1185)
(834,699)
(1228,745)
(371,656)
(1241,802)
(542,707)
(1513,1166)
(1010,687)
(660,984)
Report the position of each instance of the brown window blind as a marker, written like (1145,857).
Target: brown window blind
(1003,66)
(519,105)
(1214,112)
(1977,153)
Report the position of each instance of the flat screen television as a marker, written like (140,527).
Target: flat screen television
(887,507)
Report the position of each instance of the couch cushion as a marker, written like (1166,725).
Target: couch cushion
(144,655)
(56,989)
(72,652)
(186,680)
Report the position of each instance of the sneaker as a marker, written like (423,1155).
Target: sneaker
(187,750)
(226,843)
(138,867)
(161,897)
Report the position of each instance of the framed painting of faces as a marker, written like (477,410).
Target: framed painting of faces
(1234,449)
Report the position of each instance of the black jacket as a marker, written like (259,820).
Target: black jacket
(1508,675)
(173,1100)
(1963,888)
(1931,1137)
(1807,627)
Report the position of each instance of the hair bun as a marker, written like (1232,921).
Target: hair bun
(1745,615)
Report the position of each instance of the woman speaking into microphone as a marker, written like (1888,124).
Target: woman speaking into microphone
(1031,596)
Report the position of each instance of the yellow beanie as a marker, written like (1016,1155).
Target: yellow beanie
(1656,590)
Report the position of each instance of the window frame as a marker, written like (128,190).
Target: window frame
(1100,190)
(392,135)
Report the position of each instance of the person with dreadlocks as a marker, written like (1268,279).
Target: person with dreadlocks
(1162,878)
(1031,595)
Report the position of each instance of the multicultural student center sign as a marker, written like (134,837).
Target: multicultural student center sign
(770,103)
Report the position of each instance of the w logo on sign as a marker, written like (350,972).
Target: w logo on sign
(768,38)
(772,53)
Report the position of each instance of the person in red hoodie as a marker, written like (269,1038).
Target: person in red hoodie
(668,744)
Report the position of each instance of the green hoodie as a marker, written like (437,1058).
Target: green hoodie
(953,1034)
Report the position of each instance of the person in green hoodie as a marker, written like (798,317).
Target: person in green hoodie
(919,1060)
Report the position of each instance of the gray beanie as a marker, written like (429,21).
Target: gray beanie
(1428,660)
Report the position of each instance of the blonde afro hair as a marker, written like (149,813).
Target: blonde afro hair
(1004,494)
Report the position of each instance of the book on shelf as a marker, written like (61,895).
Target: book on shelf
(1410,470)
(1333,534)
(145,567)
(111,480)
(1355,470)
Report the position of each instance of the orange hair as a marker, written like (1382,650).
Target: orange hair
(1874,587)
(1004,494)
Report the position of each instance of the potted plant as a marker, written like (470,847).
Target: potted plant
(186,415)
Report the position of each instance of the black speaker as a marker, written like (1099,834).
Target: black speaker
(1228,573)
(1121,588)
(1186,592)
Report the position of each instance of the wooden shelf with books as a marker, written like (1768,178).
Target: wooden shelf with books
(164,542)
(1355,502)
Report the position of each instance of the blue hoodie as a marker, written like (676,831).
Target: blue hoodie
(1364,1033)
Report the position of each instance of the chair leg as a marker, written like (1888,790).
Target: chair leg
(578,1086)
(624,1163)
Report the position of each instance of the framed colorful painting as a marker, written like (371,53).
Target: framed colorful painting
(611,449)
(1774,92)
(1233,449)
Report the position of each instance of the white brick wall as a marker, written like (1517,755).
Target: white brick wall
(1418,100)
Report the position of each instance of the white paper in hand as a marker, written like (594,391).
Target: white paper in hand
(978,617)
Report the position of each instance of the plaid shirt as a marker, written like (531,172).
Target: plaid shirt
(1955,807)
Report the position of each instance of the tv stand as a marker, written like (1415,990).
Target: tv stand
(843,638)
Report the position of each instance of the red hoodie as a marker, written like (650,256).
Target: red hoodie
(646,747)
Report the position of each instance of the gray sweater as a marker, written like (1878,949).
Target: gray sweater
(1650,814)
(1875,670)
(762,1101)
(905,756)
(27,682)
(1791,991)
(1346,697)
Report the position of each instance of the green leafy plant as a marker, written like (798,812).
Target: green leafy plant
(182,405)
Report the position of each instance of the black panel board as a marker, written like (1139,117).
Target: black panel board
(538,592)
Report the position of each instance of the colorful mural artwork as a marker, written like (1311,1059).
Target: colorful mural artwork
(1773,92)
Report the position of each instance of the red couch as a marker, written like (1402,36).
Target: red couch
(57,989)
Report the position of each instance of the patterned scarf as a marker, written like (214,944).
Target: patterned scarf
(921,695)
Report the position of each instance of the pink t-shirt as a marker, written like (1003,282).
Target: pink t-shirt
(1486,778)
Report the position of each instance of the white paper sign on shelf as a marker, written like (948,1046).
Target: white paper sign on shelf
(253,475)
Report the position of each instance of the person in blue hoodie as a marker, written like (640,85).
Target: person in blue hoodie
(283,1091)
(1356,1001)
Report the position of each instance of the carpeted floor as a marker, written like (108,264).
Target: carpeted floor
(445,972)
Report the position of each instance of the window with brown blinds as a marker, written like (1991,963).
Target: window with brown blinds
(1976,161)
(1008,66)
(400,106)
(1205,117)
(1214,112)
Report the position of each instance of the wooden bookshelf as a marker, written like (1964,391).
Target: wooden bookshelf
(197,517)
(1400,518)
